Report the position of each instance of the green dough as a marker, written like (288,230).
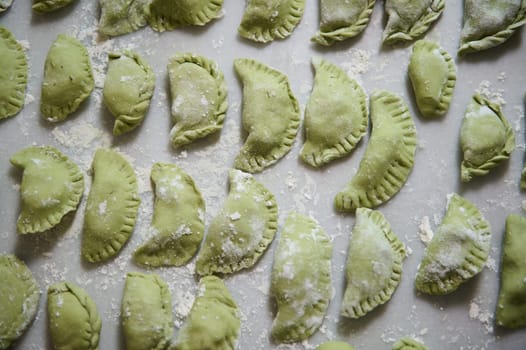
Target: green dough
(271,115)
(112,206)
(128,90)
(119,17)
(146,313)
(68,79)
(334,345)
(266,20)
(178,219)
(301,279)
(199,98)
(74,322)
(336,116)
(458,251)
(4,6)
(13,75)
(488,23)
(342,19)
(19,296)
(486,138)
(388,158)
(213,322)
(170,14)
(433,76)
(43,6)
(409,19)
(408,344)
(374,264)
(511,306)
(52,186)
(243,229)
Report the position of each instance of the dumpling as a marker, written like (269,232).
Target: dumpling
(458,251)
(433,76)
(374,264)
(170,14)
(178,219)
(388,158)
(128,90)
(112,206)
(73,320)
(146,312)
(486,138)
(408,344)
(488,23)
(52,186)
(301,279)
(68,78)
(49,5)
(266,20)
(342,19)
(19,297)
(409,19)
(334,345)
(242,230)
(336,116)
(213,322)
(271,115)
(5,4)
(199,98)
(119,17)
(13,75)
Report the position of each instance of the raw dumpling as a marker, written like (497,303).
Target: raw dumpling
(49,5)
(334,345)
(112,206)
(13,75)
(266,20)
(488,23)
(170,14)
(433,75)
(335,117)
(4,5)
(458,251)
(301,279)
(374,264)
(342,19)
(74,322)
(119,17)
(52,186)
(146,312)
(199,100)
(128,90)
(409,19)
(68,78)
(271,115)
(213,322)
(486,138)
(242,230)
(178,219)
(408,344)
(388,159)
(19,297)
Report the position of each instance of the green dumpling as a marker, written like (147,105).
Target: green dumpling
(43,6)
(5,4)
(170,14)
(408,344)
(119,17)
(334,345)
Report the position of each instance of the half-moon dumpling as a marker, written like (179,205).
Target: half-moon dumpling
(388,158)
(112,206)
(335,117)
(342,19)
(52,186)
(374,264)
(68,78)
(408,344)
(486,138)
(266,20)
(213,322)
(488,23)
(271,115)
(74,322)
(128,89)
(334,345)
(301,279)
(458,251)
(178,219)
(43,6)
(13,75)
(432,73)
(242,230)
(199,100)
(170,14)
(119,17)
(409,19)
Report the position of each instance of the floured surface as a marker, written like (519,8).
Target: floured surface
(462,320)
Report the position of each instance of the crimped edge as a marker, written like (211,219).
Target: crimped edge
(406,343)
(43,6)
(162,22)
